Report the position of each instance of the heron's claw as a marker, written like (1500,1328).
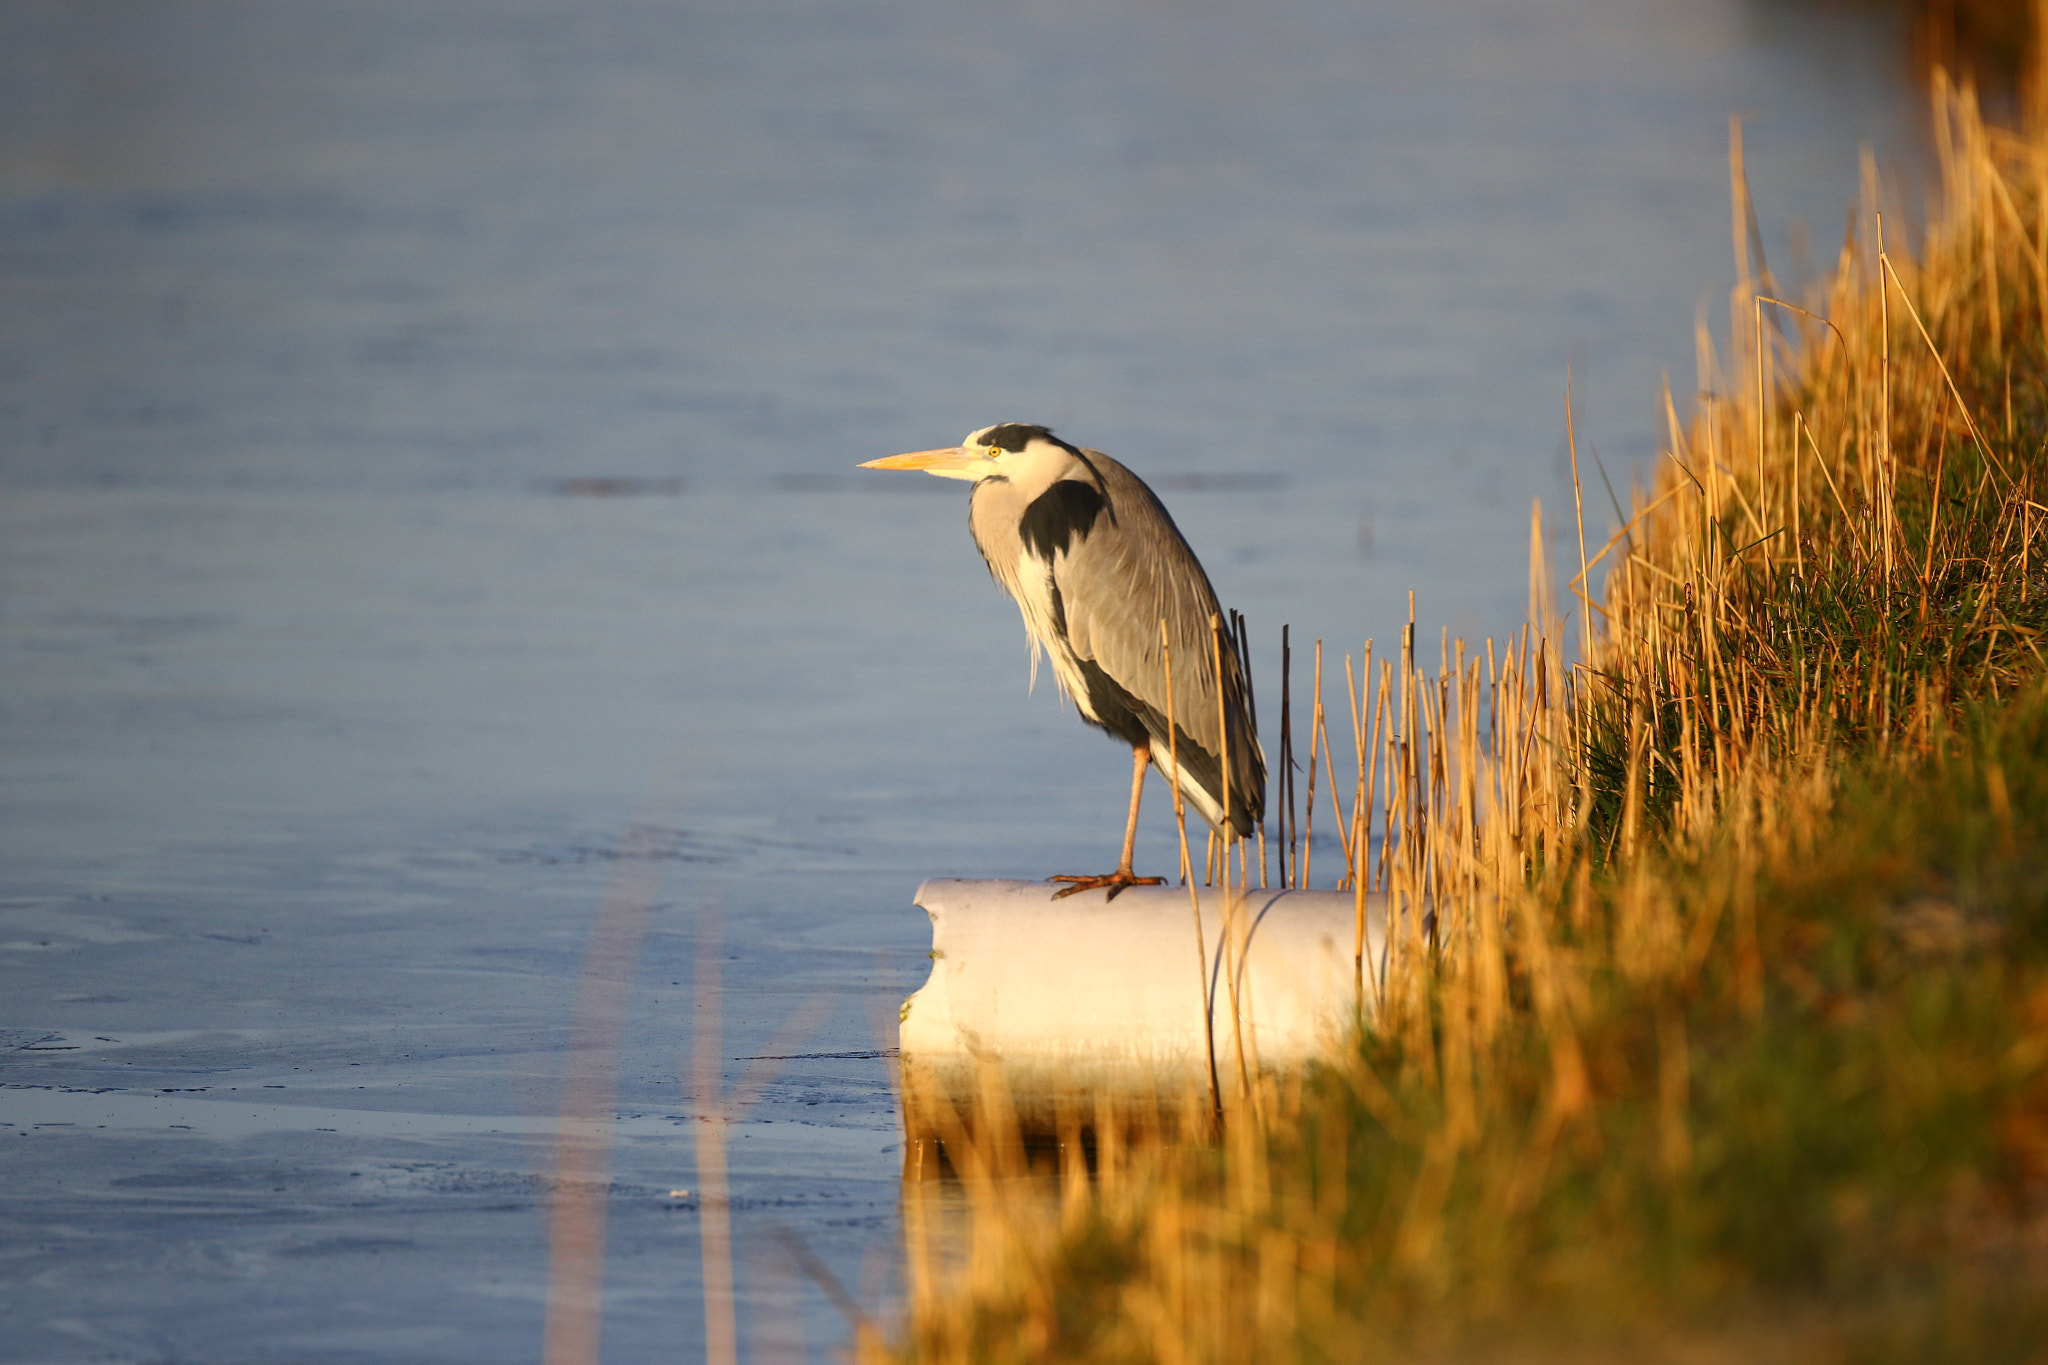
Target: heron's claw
(1116,881)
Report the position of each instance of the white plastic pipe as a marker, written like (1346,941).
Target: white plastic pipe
(1060,1002)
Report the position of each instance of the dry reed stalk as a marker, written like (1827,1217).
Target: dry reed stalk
(1315,735)
(714,1202)
(1233,907)
(1330,770)
(1241,634)
(1290,865)
(1180,820)
(1584,589)
(1349,826)
(1360,868)
(581,1179)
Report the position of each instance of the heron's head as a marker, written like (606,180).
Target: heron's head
(1007,448)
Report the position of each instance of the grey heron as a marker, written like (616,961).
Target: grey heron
(1095,565)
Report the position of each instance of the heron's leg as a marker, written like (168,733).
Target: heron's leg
(1141,758)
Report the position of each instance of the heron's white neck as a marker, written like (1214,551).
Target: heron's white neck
(1038,466)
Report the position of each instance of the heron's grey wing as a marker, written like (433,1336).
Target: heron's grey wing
(1133,570)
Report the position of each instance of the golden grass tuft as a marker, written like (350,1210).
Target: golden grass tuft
(1714,1022)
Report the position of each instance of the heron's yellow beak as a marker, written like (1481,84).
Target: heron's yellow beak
(953,457)
(954,462)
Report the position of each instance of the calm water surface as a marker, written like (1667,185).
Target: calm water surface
(427,428)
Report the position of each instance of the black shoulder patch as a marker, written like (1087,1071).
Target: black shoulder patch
(1059,516)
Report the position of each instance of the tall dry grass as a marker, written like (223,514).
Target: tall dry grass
(1715,1008)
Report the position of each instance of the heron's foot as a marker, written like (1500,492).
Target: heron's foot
(1116,881)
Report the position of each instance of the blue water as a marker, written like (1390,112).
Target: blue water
(427,435)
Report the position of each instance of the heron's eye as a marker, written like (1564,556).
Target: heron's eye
(994,451)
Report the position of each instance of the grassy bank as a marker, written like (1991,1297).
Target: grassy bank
(1729,1034)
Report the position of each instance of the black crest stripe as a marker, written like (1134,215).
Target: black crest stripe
(1014,436)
